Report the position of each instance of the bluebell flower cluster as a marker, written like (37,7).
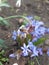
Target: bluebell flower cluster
(38,32)
(29,48)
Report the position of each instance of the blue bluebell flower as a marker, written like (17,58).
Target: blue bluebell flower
(14,35)
(33,48)
(18,32)
(30,45)
(35,52)
(25,50)
(48,30)
(37,35)
(39,32)
(42,30)
(30,17)
(33,22)
(27,25)
(40,51)
(34,39)
(12,55)
(38,24)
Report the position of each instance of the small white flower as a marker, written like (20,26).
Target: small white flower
(22,26)
(15,64)
(18,3)
(18,32)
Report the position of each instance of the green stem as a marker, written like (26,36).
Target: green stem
(37,60)
(17,16)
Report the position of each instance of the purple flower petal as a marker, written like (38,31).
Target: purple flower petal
(14,35)
(34,39)
(48,30)
(30,17)
(12,56)
(40,51)
(35,52)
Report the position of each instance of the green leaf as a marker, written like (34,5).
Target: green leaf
(1,63)
(0,56)
(2,52)
(24,22)
(4,22)
(4,1)
(37,17)
(30,62)
(4,5)
(2,44)
(39,41)
(4,59)
(24,14)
